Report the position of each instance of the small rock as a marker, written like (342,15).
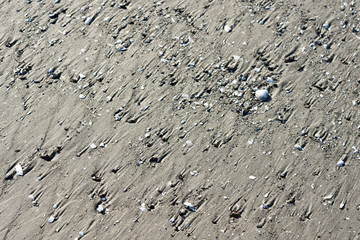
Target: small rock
(252,177)
(328,197)
(189,143)
(51,219)
(100,208)
(340,163)
(88,21)
(93,146)
(262,95)
(298,147)
(19,170)
(82,96)
(189,206)
(227,28)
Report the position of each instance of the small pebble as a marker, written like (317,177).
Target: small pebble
(88,21)
(82,96)
(340,163)
(298,147)
(93,146)
(100,208)
(51,219)
(227,28)
(189,143)
(252,177)
(19,170)
(262,95)
(189,206)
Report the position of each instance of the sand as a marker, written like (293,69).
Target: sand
(139,120)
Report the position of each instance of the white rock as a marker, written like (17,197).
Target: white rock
(31,197)
(82,76)
(262,94)
(189,206)
(298,147)
(189,143)
(252,177)
(82,96)
(88,21)
(143,207)
(93,146)
(227,28)
(19,170)
(328,197)
(100,208)
(342,205)
(340,163)
(51,219)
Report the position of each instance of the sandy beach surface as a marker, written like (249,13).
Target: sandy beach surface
(208,119)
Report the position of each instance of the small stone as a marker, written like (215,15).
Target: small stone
(93,146)
(82,96)
(88,21)
(298,147)
(19,170)
(262,95)
(328,197)
(189,143)
(340,163)
(227,28)
(82,76)
(100,208)
(51,219)
(189,206)
(252,177)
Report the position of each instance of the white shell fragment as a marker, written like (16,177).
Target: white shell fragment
(19,170)
(252,177)
(262,94)
(51,219)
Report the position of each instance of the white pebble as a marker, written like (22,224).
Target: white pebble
(82,76)
(100,208)
(227,28)
(82,96)
(252,177)
(328,197)
(340,163)
(19,170)
(189,206)
(93,146)
(88,21)
(51,219)
(298,147)
(262,94)
(189,143)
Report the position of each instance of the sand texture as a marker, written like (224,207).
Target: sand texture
(220,119)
